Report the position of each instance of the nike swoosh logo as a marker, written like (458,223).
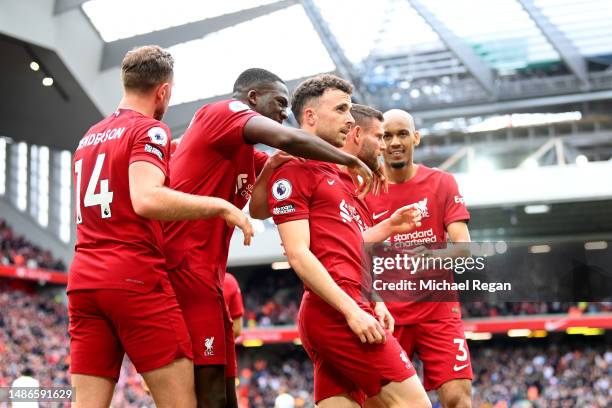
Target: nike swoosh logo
(459,368)
(552,325)
(377,216)
(331,182)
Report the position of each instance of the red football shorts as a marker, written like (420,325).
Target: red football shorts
(442,348)
(206,315)
(107,323)
(342,363)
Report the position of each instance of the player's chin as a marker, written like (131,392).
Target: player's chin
(340,140)
(397,163)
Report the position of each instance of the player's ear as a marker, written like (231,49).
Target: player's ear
(162,90)
(356,130)
(252,97)
(309,117)
(417,138)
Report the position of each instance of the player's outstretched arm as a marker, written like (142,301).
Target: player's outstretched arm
(297,142)
(151,199)
(458,232)
(459,237)
(404,219)
(296,240)
(459,242)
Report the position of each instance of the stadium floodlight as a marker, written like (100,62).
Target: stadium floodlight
(252,343)
(487,249)
(519,333)
(585,331)
(478,336)
(280,265)
(581,160)
(595,245)
(34,66)
(537,209)
(47,81)
(539,249)
(501,247)
(530,164)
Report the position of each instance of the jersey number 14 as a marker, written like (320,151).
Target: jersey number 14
(104,198)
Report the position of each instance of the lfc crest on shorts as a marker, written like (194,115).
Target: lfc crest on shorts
(405,359)
(208,343)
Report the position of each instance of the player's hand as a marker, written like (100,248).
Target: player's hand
(278,159)
(365,326)
(362,177)
(405,219)
(385,318)
(234,217)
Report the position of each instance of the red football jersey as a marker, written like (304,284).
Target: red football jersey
(115,247)
(232,296)
(436,195)
(213,159)
(363,218)
(315,191)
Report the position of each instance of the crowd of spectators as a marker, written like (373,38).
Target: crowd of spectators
(16,250)
(481,309)
(271,299)
(506,375)
(33,335)
(548,375)
(265,377)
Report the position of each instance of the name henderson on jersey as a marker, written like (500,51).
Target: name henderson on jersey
(442,285)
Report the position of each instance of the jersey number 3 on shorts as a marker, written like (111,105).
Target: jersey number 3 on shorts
(462,355)
(104,198)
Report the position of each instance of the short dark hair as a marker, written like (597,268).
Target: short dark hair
(313,88)
(27,372)
(254,78)
(146,67)
(364,114)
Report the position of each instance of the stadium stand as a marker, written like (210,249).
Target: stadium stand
(18,251)
(552,371)
(559,371)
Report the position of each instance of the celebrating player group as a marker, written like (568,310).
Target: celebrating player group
(154,222)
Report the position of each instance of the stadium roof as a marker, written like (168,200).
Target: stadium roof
(421,46)
(439,59)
